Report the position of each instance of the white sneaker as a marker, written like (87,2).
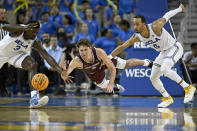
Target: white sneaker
(150,63)
(120,88)
(36,102)
(189,93)
(166,101)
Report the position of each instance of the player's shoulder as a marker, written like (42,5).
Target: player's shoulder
(99,50)
(77,62)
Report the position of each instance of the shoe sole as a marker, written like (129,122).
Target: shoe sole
(42,102)
(191,97)
(121,88)
(165,106)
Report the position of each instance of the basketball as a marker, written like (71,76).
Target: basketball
(40,81)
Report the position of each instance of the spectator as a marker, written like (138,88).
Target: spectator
(10,16)
(56,17)
(190,59)
(93,25)
(84,34)
(106,42)
(47,25)
(68,27)
(85,5)
(62,37)
(65,5)
(124,34)
(46,40)
(95,5)
(115,25)
(127,10)
(56,52)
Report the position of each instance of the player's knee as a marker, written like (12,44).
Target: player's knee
(165,70)
(152,78)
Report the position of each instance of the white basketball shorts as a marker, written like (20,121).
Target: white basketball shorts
(15,60)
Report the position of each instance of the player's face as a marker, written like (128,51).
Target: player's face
(194,50)
(138,25)
(34,33)
(2,14)
(84,51)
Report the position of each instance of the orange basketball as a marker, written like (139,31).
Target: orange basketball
(40,81)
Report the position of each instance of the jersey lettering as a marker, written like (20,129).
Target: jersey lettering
(152,42)
(19,45)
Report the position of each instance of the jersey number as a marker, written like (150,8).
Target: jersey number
(19,45)
(156,46)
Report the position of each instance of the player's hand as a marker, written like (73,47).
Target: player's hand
(67,79)
(64,64)
(110,88)
(182,7)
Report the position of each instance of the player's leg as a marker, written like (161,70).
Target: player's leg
(117,88)
(155,79)
(28,63)
(122,64)
(172,56)
(137,62)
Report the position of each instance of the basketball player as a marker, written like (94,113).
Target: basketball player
(93,61)
(170,52)
(15,49)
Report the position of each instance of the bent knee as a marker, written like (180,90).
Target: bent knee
(165,70)
(29,64)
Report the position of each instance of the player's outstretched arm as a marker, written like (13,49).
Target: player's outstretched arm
(158,24)
(14,29)
(38,45)
(125,45)
(106,61)
(75,63)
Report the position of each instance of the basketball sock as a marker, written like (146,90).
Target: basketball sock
(165,94)
(175,77)
(159,86)
(183,83)
(34,92)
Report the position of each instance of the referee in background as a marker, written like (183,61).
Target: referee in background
(6,72)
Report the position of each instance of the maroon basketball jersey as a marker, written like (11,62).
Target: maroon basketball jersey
(94,70)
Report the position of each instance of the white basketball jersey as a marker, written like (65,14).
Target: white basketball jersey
(159,43)
(13,45)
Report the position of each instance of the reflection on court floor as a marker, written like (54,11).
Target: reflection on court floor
(98,114)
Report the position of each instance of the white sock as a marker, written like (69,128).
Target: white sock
(146,63)
(172,13)
(33,93)
(165,94)
(184,84)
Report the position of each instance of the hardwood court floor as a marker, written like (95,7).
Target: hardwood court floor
(102,113)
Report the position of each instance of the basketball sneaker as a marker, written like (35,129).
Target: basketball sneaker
(36,101)
(166,101)
(189,93)
(150,63)
(118,88)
